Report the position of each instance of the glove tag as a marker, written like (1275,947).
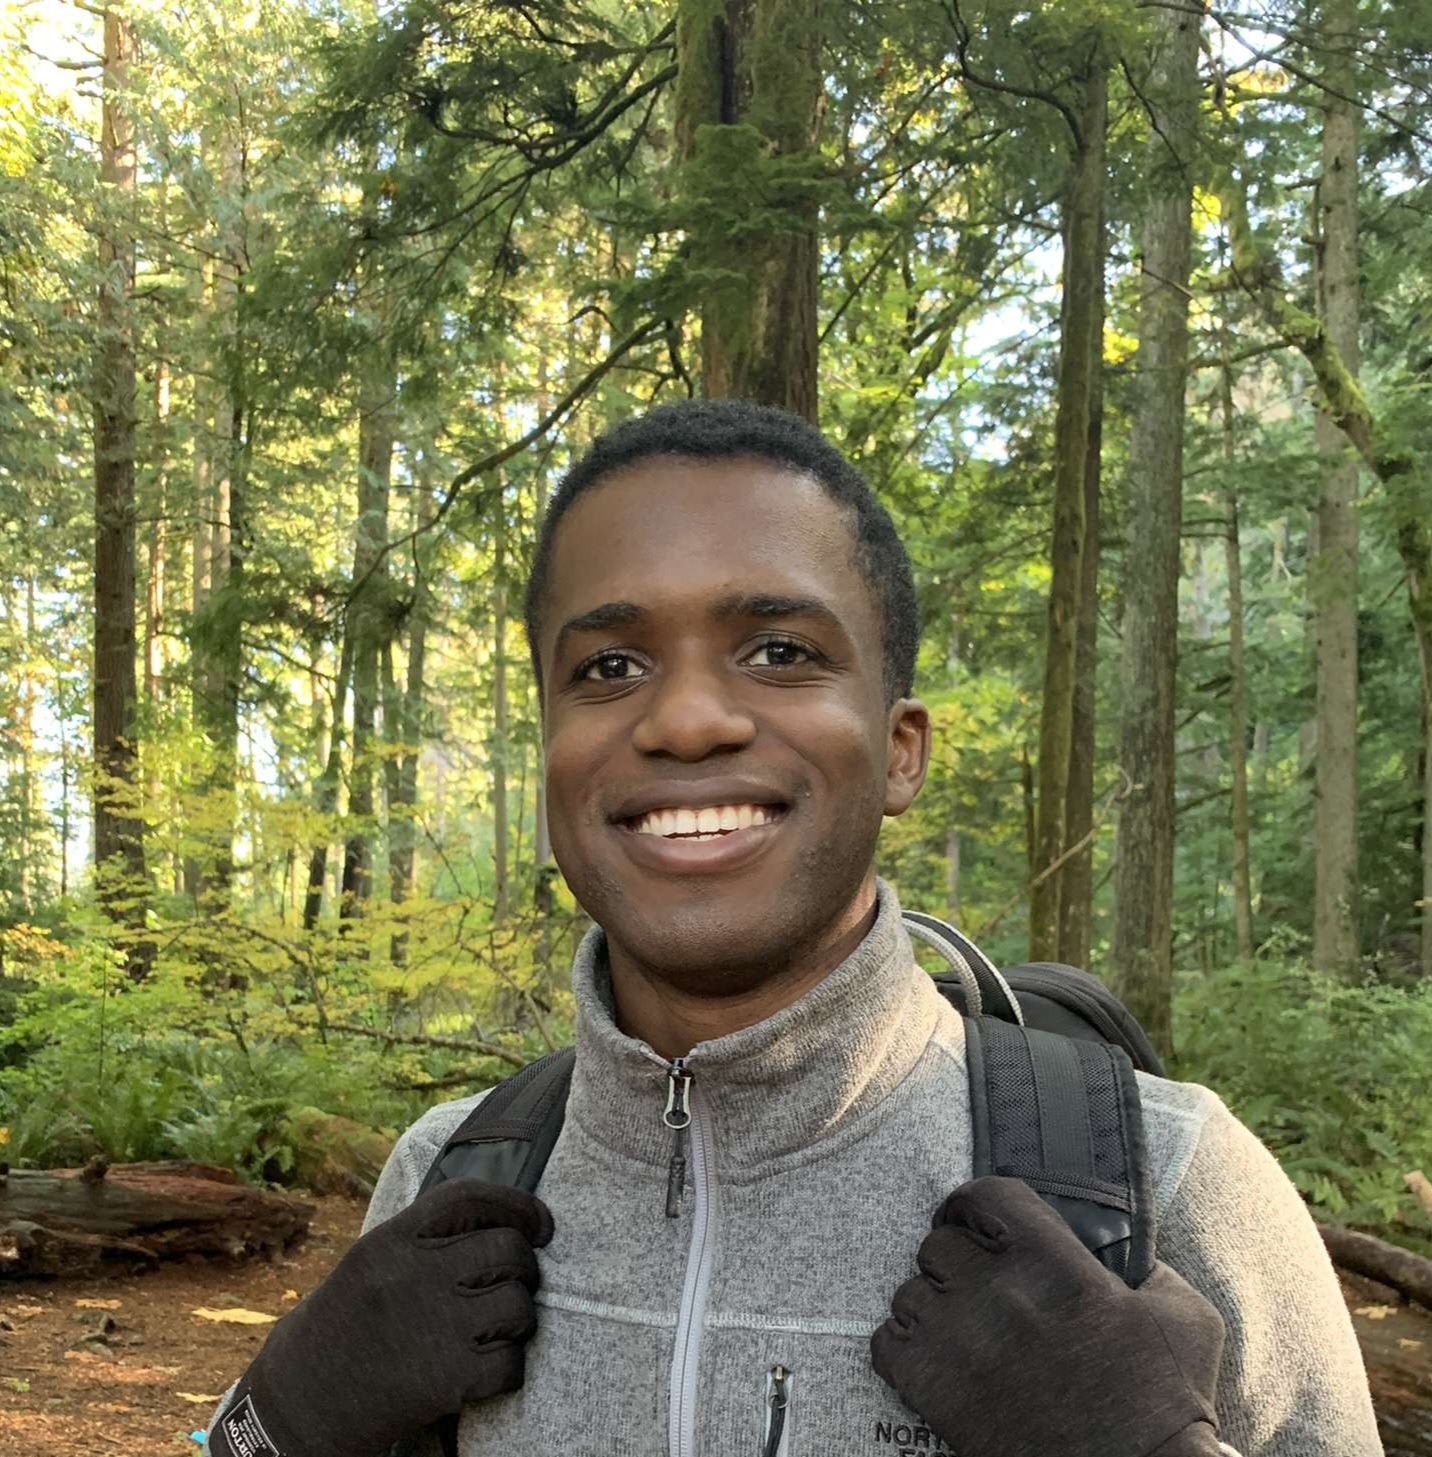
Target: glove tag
(245,1433)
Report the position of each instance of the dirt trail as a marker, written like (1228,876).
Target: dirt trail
(64,1394)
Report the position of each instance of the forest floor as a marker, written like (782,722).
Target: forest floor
(123,1363)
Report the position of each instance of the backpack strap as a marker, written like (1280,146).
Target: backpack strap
(506,1139)
(509,1136)
(986,990)
(1065,1117)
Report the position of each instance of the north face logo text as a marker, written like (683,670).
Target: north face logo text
(909,1441)
(245,1433)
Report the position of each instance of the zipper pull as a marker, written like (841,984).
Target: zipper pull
(778,1399)
(677,1117)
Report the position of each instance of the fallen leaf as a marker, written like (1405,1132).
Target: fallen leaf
(1408,1344)
(290,1294)
(237,1316)
(1376,1312)
(27,1310)
(83,1304)
(197,1398)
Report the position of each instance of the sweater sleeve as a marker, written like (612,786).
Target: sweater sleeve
(1292,1383)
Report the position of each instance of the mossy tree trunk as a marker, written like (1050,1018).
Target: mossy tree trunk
(120,880)
(1142,945)
(369,611)
(1399,469)
(749,101)
(1332,573)
(1076,897)
(1237,684)
(1081,320)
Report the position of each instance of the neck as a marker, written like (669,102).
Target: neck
(672,1019)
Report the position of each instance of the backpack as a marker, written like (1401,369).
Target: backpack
(1051,1053)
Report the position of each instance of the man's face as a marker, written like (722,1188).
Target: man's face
(719,750)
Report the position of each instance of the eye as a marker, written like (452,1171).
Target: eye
(607,667)
(779,652)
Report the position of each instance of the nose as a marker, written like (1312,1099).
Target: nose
(692,711)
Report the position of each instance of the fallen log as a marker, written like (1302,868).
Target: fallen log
(72,1221)
(1364,1254)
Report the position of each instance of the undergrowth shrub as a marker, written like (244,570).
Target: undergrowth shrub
(92,1066)
(1333,1076)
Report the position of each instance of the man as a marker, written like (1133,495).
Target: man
(770,1100)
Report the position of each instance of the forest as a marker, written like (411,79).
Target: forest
(1124,308)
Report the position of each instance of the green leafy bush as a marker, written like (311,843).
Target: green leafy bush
(1332,1076)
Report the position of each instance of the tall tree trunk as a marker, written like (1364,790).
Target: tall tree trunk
(201,546)
(325,791)
(1332,575)
(28,778)
(220,628)
(369,609)
(749,98)
(1076,898)
(1081,314)
(1238,685)
(405,723)
(1398,468)
(498,756)
(1142,947)
(120,880)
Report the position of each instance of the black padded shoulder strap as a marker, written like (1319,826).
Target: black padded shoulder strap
(1065,1116)
(509,1136)
(506,1139)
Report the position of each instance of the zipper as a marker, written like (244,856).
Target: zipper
(684,1113)
(778,1421)
(677,1117)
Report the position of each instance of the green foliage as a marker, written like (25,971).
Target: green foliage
(1332,1077)
(177,1069)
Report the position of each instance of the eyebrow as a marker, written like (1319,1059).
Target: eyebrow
(764,605)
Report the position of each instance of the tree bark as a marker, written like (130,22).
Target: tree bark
(1399,470)
(325,791)
(217,636)
(1142,944)
(71,1221)
(497,753)
(1237,685)
(1081,315)
(28,779)
(1076,898)
(749,98)
(1364,1254)
(369,610)
(120,881)
(1332,574)
(406,726)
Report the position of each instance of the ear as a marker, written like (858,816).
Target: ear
(907,754)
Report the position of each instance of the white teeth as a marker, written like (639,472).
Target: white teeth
(705,823)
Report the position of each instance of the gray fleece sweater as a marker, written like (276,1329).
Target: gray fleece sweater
(821,1142)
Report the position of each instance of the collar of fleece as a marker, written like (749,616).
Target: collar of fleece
(774,1089)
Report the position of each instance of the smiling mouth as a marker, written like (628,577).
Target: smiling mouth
(709,823)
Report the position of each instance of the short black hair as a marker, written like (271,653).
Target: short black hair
(711,430)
